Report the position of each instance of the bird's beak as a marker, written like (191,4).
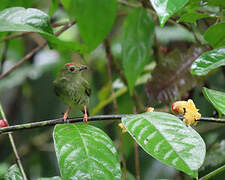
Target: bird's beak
(83,67)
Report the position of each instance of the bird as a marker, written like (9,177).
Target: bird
(72,88)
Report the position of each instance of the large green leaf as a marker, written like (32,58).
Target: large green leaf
(94,18)
(215,35)
(168,139)
(32,20)
(138,35)
(166,8)
(85,152)
(217,98)
(21,19)
(14,173)
(208,61)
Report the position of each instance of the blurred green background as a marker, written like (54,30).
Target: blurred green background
(27,96)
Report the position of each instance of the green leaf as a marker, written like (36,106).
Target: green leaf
(53,7)
(21,19)
(166,8)
(168,139)
(138,35)
(208,61)
(85,152)
(13,173)
(215,35)
(217,98)
(51,178)
(94,18)
(32,20)
(192,17)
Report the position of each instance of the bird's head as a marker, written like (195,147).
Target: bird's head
(73,68)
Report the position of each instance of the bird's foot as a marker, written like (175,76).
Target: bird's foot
(65,117)
(85,119)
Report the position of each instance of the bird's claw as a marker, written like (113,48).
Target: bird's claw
(85,119)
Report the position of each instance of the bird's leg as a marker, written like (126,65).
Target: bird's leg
(85,119)
(66,114)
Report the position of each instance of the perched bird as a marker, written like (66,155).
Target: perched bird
(72,88)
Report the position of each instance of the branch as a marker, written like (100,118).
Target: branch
(59,121)
(30,54)
(90,118)
(26,33)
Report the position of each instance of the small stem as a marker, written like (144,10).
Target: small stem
(217,171)
(14,147)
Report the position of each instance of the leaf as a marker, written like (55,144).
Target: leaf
(14,173)
(94,18)
(171,78)
(215,156)
(215,35)
(51,178)
(192,17)
(85,152)
(137,40)
(217,98)
(168,139)
(21,19)
(166,8)
(54,4)
(32,20)
(208,61)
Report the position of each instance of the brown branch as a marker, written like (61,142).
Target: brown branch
(90,118)
(109,62)
(14,36)
(26,33)
(35,50)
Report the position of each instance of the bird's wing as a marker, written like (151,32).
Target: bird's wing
(58,88)
(87,87)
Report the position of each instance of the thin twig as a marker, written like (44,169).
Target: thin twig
(14,36)
(90,118)
(35,50)
(19,163)
(109,62)
(26,33)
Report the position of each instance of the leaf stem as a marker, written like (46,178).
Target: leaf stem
(211,174)
(19,163)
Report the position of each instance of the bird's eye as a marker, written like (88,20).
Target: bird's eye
(72,69)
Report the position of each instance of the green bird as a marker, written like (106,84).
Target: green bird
(72,88)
